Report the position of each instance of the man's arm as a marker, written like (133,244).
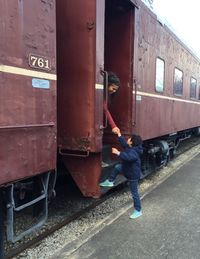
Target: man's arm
(109,116)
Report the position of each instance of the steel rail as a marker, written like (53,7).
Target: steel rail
(31,243)
(35,241)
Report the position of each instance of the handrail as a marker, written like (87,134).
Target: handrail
(27,126)
(61,152)
(135,104)
(105,94)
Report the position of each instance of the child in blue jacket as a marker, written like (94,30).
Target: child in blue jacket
(130,166)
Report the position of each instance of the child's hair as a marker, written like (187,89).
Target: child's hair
(113,79)
(136,139)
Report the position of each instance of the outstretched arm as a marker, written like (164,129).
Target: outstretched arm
(122,140)
(109,116)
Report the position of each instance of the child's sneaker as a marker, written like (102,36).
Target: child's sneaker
(136,214)
(107,183)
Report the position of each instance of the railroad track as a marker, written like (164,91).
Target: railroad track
(36,240)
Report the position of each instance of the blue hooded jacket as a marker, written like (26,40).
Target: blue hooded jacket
(130,157)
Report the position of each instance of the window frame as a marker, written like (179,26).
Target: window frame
(191,97)
(156,77)
(177,94)
(198,91)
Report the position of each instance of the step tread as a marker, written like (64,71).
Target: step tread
(119,180)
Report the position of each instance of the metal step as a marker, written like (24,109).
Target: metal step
(12,209)
(119,180)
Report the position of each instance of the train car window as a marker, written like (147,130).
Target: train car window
(160,72)
(178,82)
(193,87)
(199,93)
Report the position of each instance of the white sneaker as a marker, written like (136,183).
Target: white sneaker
(107,183)
(136,214)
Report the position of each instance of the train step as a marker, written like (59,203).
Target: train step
(119,180)
(13,208)
(107,166)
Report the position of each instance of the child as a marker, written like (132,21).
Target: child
(130,166)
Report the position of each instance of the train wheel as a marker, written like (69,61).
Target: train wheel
(1,226)
(197,131)
(166,160)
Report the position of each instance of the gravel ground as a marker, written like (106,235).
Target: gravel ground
(96,217)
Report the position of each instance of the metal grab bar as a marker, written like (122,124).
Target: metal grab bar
(105,95)
(28,126)
(135,104)
(60,150)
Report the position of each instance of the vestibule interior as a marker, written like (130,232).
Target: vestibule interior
(119,34)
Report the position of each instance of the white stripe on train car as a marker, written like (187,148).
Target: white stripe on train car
(27,72)
(165,97)
(99,86)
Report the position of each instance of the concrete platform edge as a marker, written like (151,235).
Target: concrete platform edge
(71,247)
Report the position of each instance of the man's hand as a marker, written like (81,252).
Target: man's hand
(115,151)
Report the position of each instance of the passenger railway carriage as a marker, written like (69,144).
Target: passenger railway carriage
(158,98)
(27,109)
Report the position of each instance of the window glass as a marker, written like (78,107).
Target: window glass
(199,92)
(160,72)
(193,87)
(178,82)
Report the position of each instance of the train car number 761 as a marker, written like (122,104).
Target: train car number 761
(39,62)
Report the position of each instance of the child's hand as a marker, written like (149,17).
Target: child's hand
(115,130)
(115,151)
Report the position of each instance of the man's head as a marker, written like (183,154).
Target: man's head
(113,83)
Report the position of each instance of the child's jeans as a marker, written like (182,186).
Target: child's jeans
(133,186)
(117,170)
(135,194)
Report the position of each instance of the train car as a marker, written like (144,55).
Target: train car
(27,110)
(158,99)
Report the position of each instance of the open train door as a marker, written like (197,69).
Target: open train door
(119,58)
(82,36)
(80,50)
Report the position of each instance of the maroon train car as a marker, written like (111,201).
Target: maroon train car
(158,97)
(80,41)
(28,105)
(92,36)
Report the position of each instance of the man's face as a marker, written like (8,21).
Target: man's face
(112,88)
